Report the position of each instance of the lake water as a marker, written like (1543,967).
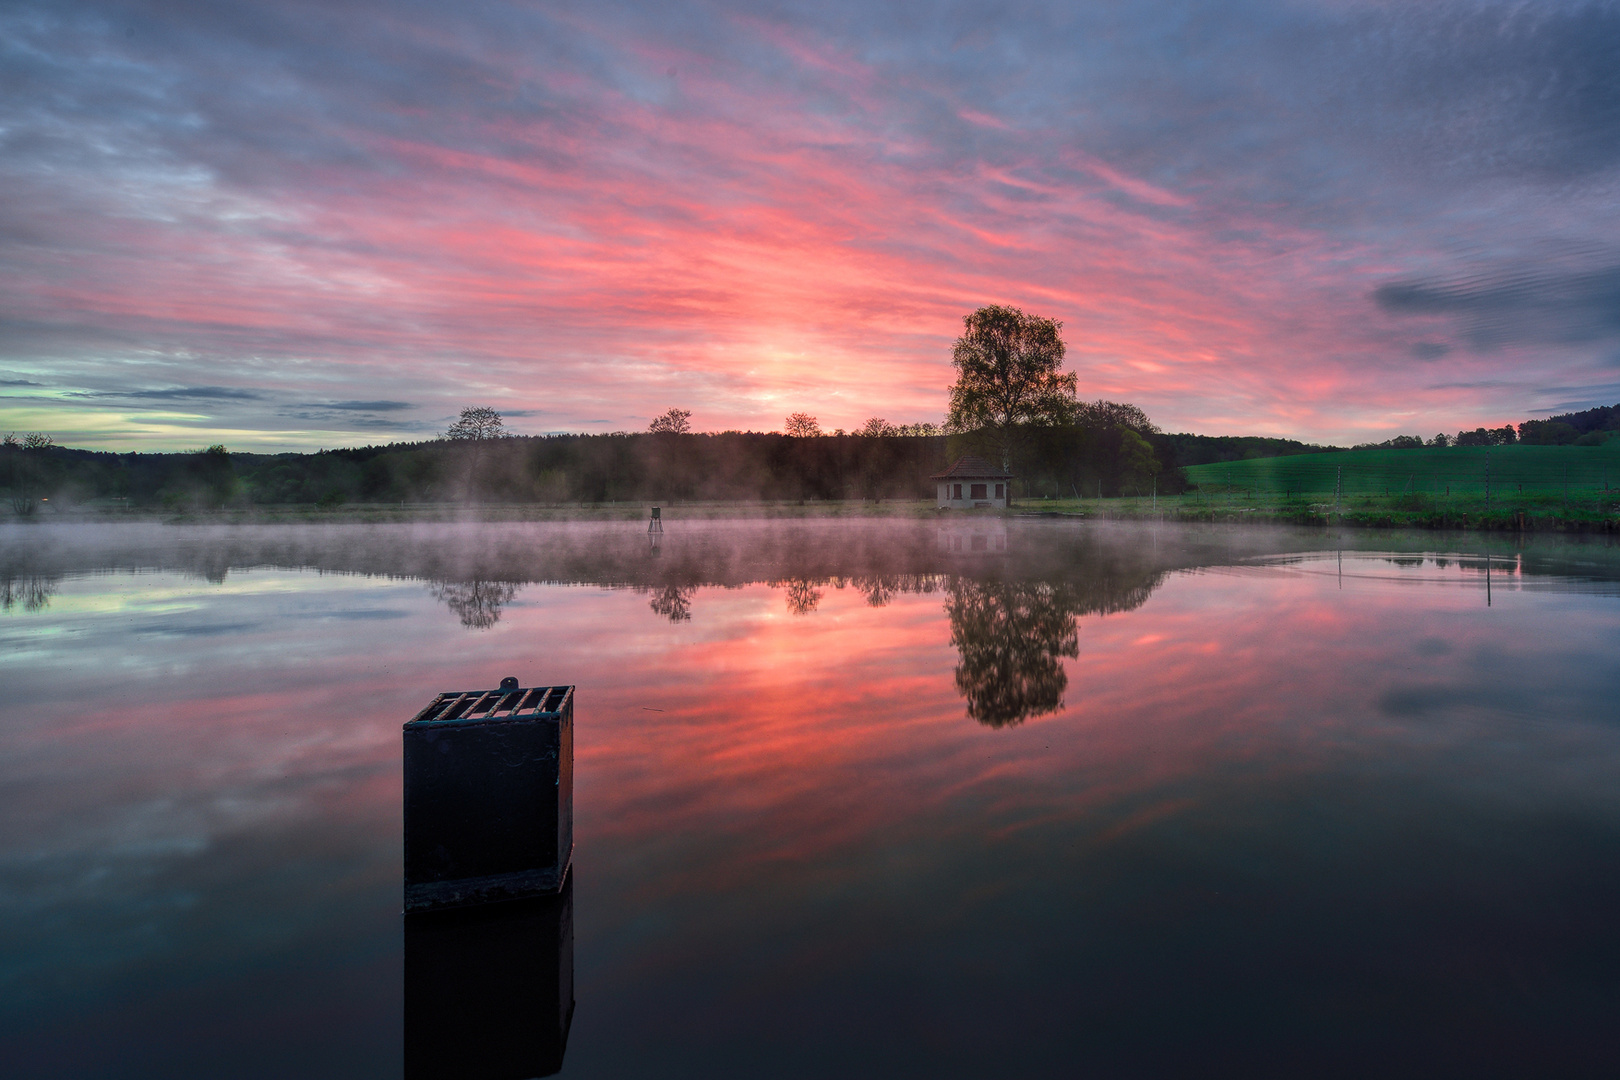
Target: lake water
(1022,798)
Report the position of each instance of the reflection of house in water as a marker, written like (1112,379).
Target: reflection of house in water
(972,482)
(489,990)
(983,536)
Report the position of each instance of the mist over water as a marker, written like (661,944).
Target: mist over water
(980,797)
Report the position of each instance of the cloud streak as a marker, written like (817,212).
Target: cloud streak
(1249,216)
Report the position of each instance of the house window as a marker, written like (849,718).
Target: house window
(978,491)
(956,491)
(998,491)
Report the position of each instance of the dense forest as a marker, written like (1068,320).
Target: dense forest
(1111,459)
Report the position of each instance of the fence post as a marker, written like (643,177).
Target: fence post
(1338,479)
(1487,481)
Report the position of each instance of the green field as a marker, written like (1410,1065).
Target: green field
(1536,472)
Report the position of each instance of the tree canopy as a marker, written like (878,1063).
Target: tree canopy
(801,425)
(1009,373)
(673,422)
(477,423)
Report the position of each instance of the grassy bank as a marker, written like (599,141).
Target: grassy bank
(438,512)
(1511,511)
(1528,513)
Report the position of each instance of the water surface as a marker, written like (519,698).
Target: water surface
(872,799)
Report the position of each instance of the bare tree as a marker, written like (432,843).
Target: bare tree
(802,594)
(478,426)
(674,602)
(24,471)
(878,426)
(476,603)
(477,423)
(674,422)
(801,426)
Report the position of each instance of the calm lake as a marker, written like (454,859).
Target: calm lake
(886,798)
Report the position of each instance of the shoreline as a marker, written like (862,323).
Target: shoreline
(1461,514)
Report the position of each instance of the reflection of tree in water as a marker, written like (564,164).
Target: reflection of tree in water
(477,603)
(882,588)
(674,602)
(1013,635)
(879,590)
(802,594)
(31,593)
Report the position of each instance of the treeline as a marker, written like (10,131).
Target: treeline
(1592,427)
(557,469)
(1188,449)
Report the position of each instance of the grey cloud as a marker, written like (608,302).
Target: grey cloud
(366,406)
(177,393)
(1578,398)
(1545,305)
(19,382)
(1239,100)
(1430,350)
(325,418)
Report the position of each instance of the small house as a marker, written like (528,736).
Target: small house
(973,482)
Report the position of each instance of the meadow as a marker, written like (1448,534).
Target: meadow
(1504,487)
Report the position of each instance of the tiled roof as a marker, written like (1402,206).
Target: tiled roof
(972,467)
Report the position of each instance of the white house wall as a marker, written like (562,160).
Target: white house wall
(968,502)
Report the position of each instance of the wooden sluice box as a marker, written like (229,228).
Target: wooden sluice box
(489,796)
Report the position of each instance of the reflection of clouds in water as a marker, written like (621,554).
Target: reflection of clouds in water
(476,603)
(209,815)
(29,593)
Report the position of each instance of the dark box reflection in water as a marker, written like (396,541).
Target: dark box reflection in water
(489,990)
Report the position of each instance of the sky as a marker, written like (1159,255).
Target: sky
(287,225)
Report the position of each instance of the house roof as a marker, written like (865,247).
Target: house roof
(975,468)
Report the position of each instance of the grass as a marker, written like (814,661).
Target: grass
(365,513)
(1434,471)
(1530,488)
